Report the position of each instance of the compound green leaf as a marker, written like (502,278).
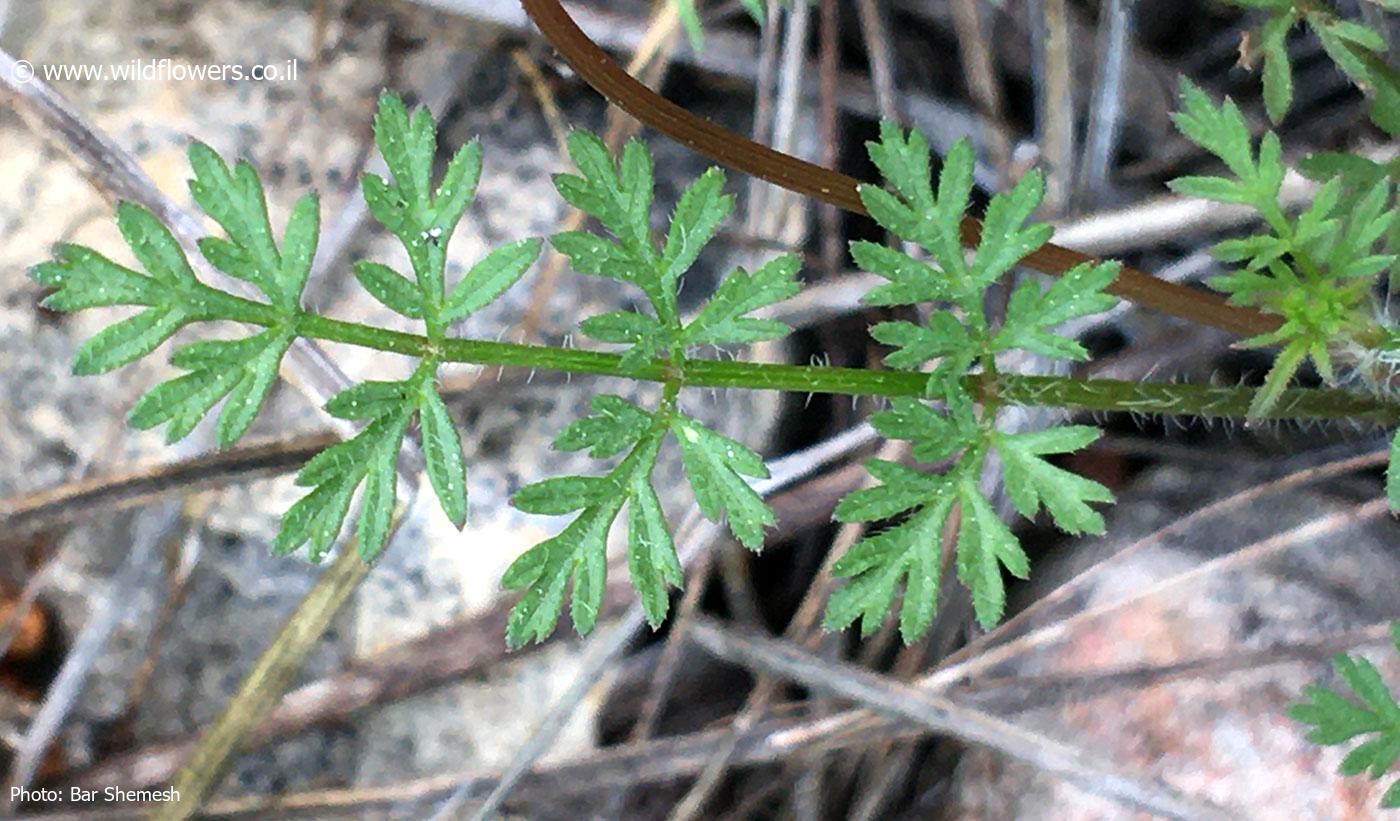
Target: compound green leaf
(127,341)
(490,278)
(614,426)
(1031,481)
(723,321)
(715,465)
(442,449)
(651,554)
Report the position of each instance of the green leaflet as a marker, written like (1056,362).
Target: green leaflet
(723,321)
(236,201)
(371,458)
(172,297)
(910,552)
(1031,481)
(1278,71)
(619,196)
(949,344)
(393,290)
(334,474)
(901,488)
(1335,719)
(1222,131)
(579,552)
(490,278)
(1031,314)
(701,210)
(943,335)
(127,341)
(716,466)
(565,494)
(911,280)
(243,370)
(651,554)
(82,278)
(615,425)
(154,247)
(447,470)
(985,545)
(690,20)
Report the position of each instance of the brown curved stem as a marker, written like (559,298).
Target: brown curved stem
(741,154)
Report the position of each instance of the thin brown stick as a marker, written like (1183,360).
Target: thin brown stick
(1054,105)
(530,70)
(945,715)
(72,501)
(878,52)
(976,53)
(830,62)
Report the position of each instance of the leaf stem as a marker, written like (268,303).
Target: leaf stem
(1052,391)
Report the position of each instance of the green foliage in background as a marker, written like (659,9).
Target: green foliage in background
(1357,49)
(1314,269)
(1336,719)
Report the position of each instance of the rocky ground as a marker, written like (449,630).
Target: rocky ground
(195,596)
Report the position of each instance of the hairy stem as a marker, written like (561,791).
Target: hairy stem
(1051,391)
